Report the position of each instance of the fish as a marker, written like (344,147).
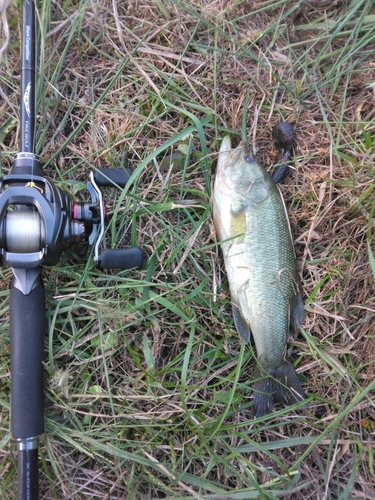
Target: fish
(253,229)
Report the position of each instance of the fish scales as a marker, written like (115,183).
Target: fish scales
(254,233)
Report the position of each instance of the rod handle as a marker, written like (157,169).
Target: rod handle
(27,325)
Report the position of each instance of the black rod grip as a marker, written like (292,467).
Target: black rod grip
(28,484)
(110,176)
(127,258)
(27,325)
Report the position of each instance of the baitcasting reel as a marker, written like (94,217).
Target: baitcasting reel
(38,220)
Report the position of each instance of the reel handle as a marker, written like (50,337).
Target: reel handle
(126,258)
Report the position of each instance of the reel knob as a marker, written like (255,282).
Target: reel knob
(126,258)
(109,177)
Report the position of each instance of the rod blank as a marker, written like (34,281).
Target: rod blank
(28,79)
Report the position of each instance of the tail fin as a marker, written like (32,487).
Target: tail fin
(276,385)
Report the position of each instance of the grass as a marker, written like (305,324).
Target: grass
(148,388)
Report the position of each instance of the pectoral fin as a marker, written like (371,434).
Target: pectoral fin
(238,225)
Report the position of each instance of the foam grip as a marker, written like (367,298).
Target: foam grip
(127,258)
(109,176)
(27,325)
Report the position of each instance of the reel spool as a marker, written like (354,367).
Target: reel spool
(24,231)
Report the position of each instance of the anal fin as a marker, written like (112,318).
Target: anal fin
(296,315)
(242,327)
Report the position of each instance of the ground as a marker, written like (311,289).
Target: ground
(148,388)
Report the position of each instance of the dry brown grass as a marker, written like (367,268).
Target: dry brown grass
(148,388)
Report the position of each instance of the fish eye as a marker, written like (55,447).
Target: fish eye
(248,158)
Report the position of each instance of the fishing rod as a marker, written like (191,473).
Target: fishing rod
(38,221)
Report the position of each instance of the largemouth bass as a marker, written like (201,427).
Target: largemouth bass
(254,233)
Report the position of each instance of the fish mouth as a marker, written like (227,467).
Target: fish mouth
(228,156)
